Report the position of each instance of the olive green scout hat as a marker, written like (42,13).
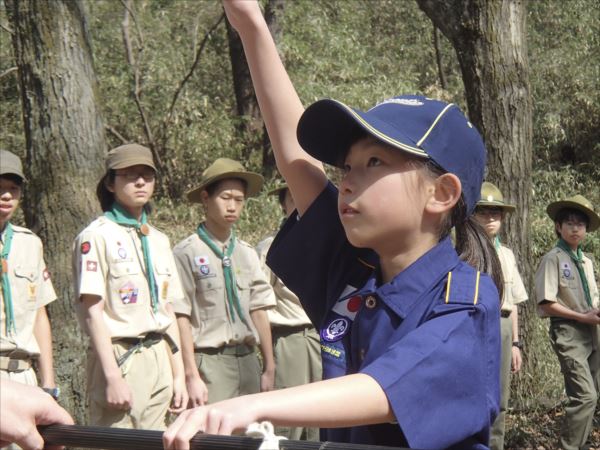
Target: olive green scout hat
(11,164)
(580,203)
(492,196)
(227,168)
(129,155)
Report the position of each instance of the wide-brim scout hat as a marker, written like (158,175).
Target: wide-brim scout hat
(129,155)
(580,203)
(224,168)
(492,197)
(416,125)
(10,164)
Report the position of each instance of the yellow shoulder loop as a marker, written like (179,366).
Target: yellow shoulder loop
(476,287)
(448,286)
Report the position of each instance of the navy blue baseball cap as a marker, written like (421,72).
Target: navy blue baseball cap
(417,125)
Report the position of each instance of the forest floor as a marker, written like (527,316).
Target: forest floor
(540,430)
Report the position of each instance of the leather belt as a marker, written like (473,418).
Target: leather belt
(232,350)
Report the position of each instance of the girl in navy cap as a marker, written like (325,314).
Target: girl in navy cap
(409,329)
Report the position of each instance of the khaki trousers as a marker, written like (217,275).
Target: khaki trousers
(577,347)
(498,428)
(229,373)
(148,374)
(24,376)
(297,353)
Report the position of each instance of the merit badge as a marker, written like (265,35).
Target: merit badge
(46,274)
(335,330)
(85,247)
(348,307)
(128,293)
(122,253)
(201,260)
(204,270)
(91,266)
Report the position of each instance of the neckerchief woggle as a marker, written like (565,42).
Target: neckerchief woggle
(6,293)
(233,300)
(118,215)
(577,258)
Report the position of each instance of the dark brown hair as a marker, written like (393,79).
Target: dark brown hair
(565,214)
(107,198)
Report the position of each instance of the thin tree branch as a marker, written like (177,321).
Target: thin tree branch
(6,28)
(116,134)
(438,56)
(192,68)
(8,72)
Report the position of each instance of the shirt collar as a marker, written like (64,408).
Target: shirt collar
(403,292)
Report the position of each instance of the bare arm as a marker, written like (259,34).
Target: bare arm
(346,401)
(118,394)
(198,393)
(263,328)
(180,395)
(516,359)
(555,309)
(279,103)
(43,336)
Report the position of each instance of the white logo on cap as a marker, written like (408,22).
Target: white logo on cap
(400,101)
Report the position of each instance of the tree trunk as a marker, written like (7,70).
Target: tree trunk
(65,147)
(251,125)
(489,37)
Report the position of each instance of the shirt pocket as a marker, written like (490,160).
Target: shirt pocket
(26,285)
(568,283)
(128,284)
(243,283)
(211,298)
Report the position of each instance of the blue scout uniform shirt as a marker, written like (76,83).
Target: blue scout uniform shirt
(431,340)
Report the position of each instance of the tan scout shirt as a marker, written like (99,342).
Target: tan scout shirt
(288,311)
(108,262)
(514,290)
(205,301)
(30,288)
(557,280)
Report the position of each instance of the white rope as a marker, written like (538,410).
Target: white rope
(265,431)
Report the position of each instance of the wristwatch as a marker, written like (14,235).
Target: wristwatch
(518,344)
(54,392)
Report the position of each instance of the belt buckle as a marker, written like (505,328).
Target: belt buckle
(13,365)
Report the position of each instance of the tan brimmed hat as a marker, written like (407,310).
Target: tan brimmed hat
(492,197)
(224,168)
(580,203)
(11,164)
(129,155)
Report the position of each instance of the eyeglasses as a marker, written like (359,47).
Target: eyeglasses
(489,212)
(147,175)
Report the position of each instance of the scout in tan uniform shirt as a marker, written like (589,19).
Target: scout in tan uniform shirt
(26,289)
(566,291)
(222,316)
(296,345)
(489,213)
(125,280)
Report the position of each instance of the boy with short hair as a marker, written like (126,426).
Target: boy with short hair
(566,291)
(25,290)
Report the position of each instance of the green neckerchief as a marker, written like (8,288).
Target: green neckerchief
(118,215)
(232,295)
(577,258)
(497,243)
(6,294)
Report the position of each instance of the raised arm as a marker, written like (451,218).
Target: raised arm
(279,103)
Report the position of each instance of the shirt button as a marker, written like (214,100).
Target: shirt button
(370,302)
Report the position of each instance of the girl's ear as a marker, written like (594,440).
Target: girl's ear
(557,227)
(446,193)
(109,186)
(204,197)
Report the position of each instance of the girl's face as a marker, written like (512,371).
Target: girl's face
(133,186)
(10,194)
(572,231)
(224,207)
(490,218)
(382,196)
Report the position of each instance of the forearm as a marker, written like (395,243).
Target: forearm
(263,327)
(43,336)
(296,406)
(557,310)
(514,317)
(187,347)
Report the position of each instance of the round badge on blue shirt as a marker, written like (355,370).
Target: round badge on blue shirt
(335,330)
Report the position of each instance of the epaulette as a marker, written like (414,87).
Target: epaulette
(462,287)
(19,229)
(244,243)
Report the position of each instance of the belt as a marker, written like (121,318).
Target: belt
(284,330)
(232,350)
(505,314)
(11,364)
(136,344)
